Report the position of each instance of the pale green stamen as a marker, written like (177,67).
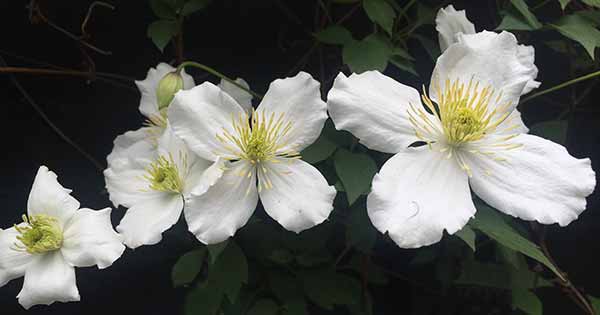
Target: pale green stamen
(39,234)
(164,175)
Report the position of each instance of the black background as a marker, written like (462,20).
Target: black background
(255,40)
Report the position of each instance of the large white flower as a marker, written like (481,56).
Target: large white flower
(142,141)
(153,186)
(55,237)
(473,138)
(262,150)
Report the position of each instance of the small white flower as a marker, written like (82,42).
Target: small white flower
(474,138)
(263,153)
(55,237)
(153,185)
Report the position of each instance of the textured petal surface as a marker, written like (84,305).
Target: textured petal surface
(12,263)
(202,175)
(89,239)
(526,55)
(374,108)
(48,279)
(489,58)
(198,115)
(240,96)
(300,197)
(148,103)
(227,205)
(126,184)
(132,144)
(48,197)
(418,194)
(449,22)
(539,181)
(144,223)
(299,99)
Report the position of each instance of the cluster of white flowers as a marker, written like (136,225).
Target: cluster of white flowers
(206,152)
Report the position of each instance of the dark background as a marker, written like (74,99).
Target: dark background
(255,40)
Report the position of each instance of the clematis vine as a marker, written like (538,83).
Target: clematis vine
(262,154)
(465,132)
(54,237)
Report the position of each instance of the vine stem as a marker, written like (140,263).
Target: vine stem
(216,73)
(562,85)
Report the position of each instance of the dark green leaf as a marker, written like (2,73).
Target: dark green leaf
(335,34)
(326,288)
(402,53)
(229,271)
(489,221)
(510,257)
(314,257)
(592,3)
(188,266)
(355,170)
(581,30)
(371,53)
(467,235)
(498,276)
(432,48)
(287,289)
(514,21)
(161,32)
(360,233)
(595,303)
(264,307)
(319,150)
(203,300)
(215,250)
(526,301)
(522,7)
(381,13)
(404,65)
(162,9)
(425,255)
(564,3)
(375,274)
(193,6)
(552,130)
(281,256)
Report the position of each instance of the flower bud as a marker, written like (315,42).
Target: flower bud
(170,84)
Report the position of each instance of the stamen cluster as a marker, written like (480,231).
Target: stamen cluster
(39,234)
(164,175)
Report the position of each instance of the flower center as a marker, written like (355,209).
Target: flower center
(164,175)
(261,138)
(39,234)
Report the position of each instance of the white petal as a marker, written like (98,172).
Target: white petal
(197,116)
(12,262)
(417,194)
(512,124)
(526,55)
(48,197)
(148,103)
(300,197)
(132,144)
(144,223)
(299,99)
(89,239)
(126,184)
(450,23)
(538,181)
(48,279)
(202,175)
(491,59)
(240,96)
(374,108)
(225,207)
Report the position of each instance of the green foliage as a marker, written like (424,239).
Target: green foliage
(170,14)
(552,130)
(215,250)
(523,9)
(370,53)
(264,307)
(381,13)
(581,30)
(355,170)
(326,288)
(318,151)
(468,236)
(335,34)
(161,32)
(188,267)
(360,233)
(527,302)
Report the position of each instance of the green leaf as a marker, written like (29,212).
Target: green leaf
(314,257)
(162,9)
(381,13)
(327,288)
(489,221)
(526,301)
(514,21)
(193,6)
(402,53)
(432,48)
(355,170)
(371,53)
(188,266)
(360,233)
(424,255)
(318,151)
(592,3)
(467,235)
(510,257)
(375,274)
(552,130)
(581,30)
(161,32)
(335,34)
(289,291)
(281,256)
(497,276)
(215,250)
(595,303)
(229,271)
(404,65)
(564,3)
(264,307)
(203,300)
(522,7)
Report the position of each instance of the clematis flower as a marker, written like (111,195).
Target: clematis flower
(143,141)
(473,136)
(152,185)
(55,237)
(262,153)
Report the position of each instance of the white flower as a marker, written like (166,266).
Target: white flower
(152,185)
(262,150)
(143,140)
(474,137)
(55,237)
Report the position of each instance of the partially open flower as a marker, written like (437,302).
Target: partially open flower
(170,84)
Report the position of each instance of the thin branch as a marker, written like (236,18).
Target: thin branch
(89,14)
(562,85)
